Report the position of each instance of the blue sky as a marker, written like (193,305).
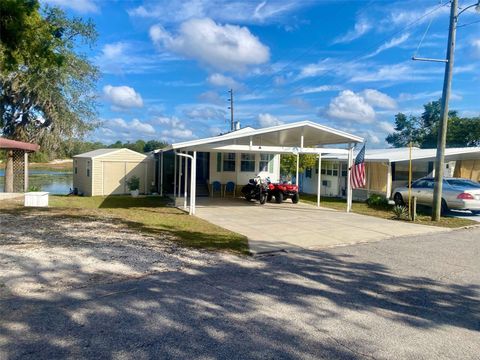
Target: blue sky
(167,65)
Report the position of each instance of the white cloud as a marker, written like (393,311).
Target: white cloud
(317,89)
(81,6)
(130,58)
(386,126)
(220,80)
(135,126)
(351,106)
(205,113)
(178,134)
(267,120)
(362,26)
(245,12)
(476,47)
(122,97)
(211,97)
(223,47)
(395,72)
(378,99)
(139,126)
(389,44)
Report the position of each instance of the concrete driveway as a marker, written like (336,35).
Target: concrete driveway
(273,227)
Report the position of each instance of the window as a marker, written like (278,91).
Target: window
(229,162)
(266,163)
(335,169)
(219,162)
(75,169)
(247,162)
(88,168)
(329,168)
(344,170)
(308,172)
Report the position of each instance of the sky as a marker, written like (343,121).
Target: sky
(166,66)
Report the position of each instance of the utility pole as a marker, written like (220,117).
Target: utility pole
(442,131)
(232,124)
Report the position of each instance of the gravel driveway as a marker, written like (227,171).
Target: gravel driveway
(48,251)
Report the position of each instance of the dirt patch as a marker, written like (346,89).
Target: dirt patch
(47,251)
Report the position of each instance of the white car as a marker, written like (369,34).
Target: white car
(457,194)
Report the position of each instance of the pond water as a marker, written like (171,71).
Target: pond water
(53,181)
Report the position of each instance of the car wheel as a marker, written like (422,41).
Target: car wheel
(248,198)
(263,199)
(398,199)
(295,198)
(279,197)
(444,208)
(269,197)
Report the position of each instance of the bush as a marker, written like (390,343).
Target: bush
(400,212)
(377,201)
(133,183)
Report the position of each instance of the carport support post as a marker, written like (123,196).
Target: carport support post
(185,185)
(175,175)
(180,159)
(161,173)
(193,184)
(349,176)
(319,178)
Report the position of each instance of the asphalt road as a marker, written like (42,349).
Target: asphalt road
(408,298)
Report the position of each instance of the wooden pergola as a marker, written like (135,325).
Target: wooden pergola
(16,165)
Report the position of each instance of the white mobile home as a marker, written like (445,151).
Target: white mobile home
(387,169)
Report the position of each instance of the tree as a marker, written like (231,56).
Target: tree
(422,131)
(154,145)
(288,163)
(46,88)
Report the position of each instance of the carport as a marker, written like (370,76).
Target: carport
(304,137)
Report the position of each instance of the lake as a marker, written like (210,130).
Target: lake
(53,181)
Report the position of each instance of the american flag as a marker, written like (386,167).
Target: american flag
(357,178)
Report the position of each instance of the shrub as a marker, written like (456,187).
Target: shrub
(33,188)
(400,212)
(133,183)
(377,201)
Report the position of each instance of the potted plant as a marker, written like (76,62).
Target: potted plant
(134,185)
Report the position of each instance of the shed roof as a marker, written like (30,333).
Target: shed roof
(18,145)
(104,152)
(403,154)
(286,135)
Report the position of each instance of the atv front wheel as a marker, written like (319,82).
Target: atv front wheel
(279,197)
(295,198)
(263,199)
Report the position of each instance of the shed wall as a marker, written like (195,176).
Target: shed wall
(81,181)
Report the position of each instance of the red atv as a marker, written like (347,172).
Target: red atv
(283,191)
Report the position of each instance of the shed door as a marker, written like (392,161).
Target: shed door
(113,178)
(138,170)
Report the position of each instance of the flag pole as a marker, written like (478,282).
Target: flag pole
(410,180)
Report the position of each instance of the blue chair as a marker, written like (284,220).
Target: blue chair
(216,186)
(230,188)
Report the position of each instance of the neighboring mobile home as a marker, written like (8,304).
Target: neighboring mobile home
(387,169)
(106,171)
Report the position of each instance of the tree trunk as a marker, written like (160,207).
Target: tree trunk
(9,172)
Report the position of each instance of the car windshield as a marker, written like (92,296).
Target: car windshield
(463,183)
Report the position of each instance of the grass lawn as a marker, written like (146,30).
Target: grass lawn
(149,214)
(423,214)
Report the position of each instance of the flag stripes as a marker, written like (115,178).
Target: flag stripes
(358,178)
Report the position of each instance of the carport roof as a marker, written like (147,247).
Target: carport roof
(287,135)
(403,154)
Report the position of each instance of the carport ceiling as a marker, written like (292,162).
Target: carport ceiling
(287,135)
